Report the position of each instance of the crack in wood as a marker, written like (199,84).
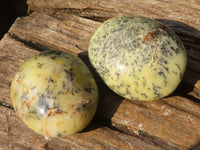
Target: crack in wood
(6,105)
(30,44)
(144,136)
(95,18)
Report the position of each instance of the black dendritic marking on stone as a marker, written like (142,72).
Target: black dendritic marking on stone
(144,95)
(23,97)
(128,93)
(179,68)
(161,73)
(51,80)
(70,74)
(40,65)
(156,90)
(53,57)
(88,89)
(42,105)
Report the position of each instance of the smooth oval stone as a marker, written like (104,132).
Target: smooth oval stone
(54,94)
(138,58)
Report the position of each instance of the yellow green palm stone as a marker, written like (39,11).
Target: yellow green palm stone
(55,94)
(138,58)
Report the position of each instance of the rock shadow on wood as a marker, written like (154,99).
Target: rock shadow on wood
(195,147)
(191,40)
(108,100)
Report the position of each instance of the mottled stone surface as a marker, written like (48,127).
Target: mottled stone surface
(138,58)
(54,94)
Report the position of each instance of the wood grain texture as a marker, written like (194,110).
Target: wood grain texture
(170,123)
(196,91)
(186,11)
(67,33)
(174,120)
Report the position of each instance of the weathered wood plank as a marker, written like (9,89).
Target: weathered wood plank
(186,11)
(7,145)
(69,33)
(174,119)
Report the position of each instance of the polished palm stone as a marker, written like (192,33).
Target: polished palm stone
(54,94)
(138,58)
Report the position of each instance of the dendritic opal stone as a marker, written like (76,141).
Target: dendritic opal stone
(138,58)
(55,94)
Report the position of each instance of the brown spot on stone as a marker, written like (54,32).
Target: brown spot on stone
(147,37)
(151,35)
(79,82)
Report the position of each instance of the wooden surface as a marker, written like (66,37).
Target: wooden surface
(170,123)
(186,11)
